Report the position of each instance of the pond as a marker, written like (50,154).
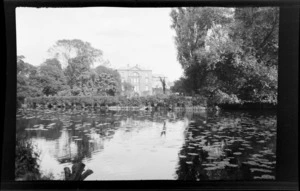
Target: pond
(160,145)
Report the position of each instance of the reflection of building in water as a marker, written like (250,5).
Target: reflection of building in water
(65,148)
(96,142)
(163,132)
(69,148)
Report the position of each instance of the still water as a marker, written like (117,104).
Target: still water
(140,145)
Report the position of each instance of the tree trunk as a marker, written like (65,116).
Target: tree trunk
(77,173)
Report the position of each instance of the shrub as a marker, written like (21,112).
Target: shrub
(118,100)
(26,161)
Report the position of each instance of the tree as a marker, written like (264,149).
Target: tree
(53,77)
(180,86)
(77,57)
(115,74)
(128,88)
(228,51)
(106,84)
(76,70)
(163,84)
(28,82)
(64,50)
(191,26)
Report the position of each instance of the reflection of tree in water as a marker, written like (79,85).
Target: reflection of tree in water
(193,160)
(66,149)
(230,140)
(87,140)
(49,134)
(94,128)
(163,132)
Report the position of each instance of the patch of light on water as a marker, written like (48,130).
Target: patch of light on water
(149,150)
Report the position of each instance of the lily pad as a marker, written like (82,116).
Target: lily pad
(237,153)
(260,170)
(211,168)
(232,165)
(193,154)
(182,156)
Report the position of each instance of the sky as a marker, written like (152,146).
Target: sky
(134,36)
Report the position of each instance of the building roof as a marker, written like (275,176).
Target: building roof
(136,67)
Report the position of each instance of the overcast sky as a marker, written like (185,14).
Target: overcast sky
(125,35)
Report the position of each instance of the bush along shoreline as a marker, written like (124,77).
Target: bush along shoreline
(248,105)
(172,102)
(121,102)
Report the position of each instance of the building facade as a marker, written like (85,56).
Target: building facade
(142,80)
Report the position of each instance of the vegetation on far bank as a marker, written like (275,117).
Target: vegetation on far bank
(157,100)
(68,72)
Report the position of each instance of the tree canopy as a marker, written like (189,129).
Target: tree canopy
(228,52)
(27,80)
(67,72)
(64,50)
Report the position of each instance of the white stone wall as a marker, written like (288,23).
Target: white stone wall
(140,79)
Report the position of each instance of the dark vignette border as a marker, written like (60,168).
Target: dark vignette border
(287,122)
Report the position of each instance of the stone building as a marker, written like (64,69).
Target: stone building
(142,80)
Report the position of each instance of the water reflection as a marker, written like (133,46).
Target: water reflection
(154,145)
(223,149)
(163,132)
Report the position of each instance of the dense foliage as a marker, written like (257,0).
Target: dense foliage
(228,55)
(27,80)
(26,160)
(159,100)
(67,73)
(128,89)
(65,50)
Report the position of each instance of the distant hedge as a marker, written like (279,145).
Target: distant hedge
(162,100)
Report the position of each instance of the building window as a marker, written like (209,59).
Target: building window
(147,88)
(147,80)
(135,78)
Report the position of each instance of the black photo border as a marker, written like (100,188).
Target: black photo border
(287,110)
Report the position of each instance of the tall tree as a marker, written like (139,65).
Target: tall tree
(230,52)
(76,70)
(28,82)
(64,50)
(180,86)
(191,26)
